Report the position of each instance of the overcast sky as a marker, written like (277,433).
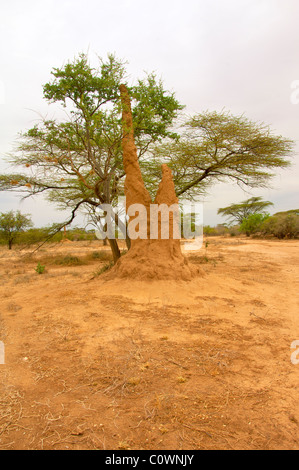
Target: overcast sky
(241,55)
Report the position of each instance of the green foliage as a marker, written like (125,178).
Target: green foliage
(42,234)
(153,109)
(188,224)
(219,230)
(12,224)
(220,147)
(253,223)
(40,269)
(209,231)
(86,87)
(78,234)
(79,161)
(33,235)
(282,225)
(239,212)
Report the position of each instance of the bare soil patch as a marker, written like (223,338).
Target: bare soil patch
(93,363)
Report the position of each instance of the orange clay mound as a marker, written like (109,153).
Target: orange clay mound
(148,259)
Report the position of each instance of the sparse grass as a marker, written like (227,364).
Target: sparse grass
(69,260)
(199,259)
(101,255)
(103,269)
(196,259)
(134,381)
(23,279)
(13,307)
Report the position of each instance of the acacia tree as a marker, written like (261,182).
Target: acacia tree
(12,224)
(77,162)
(220,147)
(239,212)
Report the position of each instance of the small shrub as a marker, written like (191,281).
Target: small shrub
(40,269)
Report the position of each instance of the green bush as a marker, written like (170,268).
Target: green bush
(253,223)
(282,226)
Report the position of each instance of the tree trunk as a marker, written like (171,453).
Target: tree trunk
(124,229)
(115,249)
(148,258)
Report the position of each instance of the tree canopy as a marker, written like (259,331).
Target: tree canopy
(12,224)
(220,147)
(240,212)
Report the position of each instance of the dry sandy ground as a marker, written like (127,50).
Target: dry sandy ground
(96,364)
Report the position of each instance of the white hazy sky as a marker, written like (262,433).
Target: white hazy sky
(241,55)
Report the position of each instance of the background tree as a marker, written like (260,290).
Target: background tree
(253,223)
(282,225)
(12,224)
(77,162)
(240,212)
(289,212)
(220,147)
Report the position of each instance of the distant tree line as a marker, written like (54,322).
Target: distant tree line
(18,229)
(250,217)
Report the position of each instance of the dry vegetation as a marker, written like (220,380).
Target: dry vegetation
(97,364)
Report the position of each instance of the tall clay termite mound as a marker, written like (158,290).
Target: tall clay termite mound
(148,258)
